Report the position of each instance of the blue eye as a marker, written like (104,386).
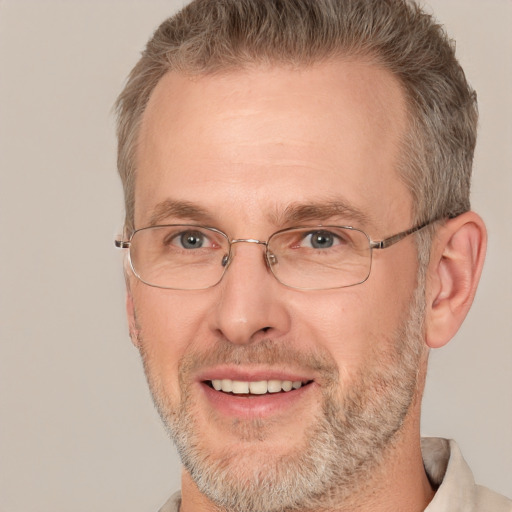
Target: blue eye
(191,239)
(320,239)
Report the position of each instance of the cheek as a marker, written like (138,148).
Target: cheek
(169,322)
(342,324)
(349,323)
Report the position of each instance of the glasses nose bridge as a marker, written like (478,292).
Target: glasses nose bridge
(228,260)
(249,241)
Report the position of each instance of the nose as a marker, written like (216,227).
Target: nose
(249,305)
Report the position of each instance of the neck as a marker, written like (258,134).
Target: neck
(400,483)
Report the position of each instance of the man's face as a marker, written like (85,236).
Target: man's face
(252,152)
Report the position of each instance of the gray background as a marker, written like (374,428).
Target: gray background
(77,426)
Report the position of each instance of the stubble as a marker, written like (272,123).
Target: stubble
(344,443)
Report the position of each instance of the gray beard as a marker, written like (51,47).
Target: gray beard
(344,445)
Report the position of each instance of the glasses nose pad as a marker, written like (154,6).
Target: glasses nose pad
(271,259)
(225,260)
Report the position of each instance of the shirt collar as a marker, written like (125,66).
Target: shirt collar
(449,472)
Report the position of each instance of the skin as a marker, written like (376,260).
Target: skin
(243,146)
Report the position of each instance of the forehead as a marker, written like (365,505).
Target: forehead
(259,139)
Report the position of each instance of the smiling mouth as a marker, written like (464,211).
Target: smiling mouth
(260,387)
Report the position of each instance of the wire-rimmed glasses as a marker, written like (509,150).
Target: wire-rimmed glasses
(194,257)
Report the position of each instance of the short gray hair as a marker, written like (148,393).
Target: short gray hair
(209,36)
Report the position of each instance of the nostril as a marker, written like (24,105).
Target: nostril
(265,329)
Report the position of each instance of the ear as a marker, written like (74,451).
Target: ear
(456,262)
(130,314)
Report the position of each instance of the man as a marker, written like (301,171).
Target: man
(296,178)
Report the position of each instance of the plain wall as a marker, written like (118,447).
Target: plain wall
(77,427)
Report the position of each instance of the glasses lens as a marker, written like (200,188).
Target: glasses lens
(320,258)
(179,256)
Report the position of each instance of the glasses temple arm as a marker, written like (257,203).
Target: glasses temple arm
(387,242)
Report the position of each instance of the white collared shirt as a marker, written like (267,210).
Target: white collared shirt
(457,491)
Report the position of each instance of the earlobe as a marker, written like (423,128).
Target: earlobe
(456,262)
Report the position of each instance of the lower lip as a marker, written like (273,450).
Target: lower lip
(251,406)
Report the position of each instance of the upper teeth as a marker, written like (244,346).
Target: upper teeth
(259,387)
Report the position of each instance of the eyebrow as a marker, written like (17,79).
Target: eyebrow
(296,213)
(180,209)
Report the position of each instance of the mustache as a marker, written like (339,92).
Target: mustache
(267,352)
